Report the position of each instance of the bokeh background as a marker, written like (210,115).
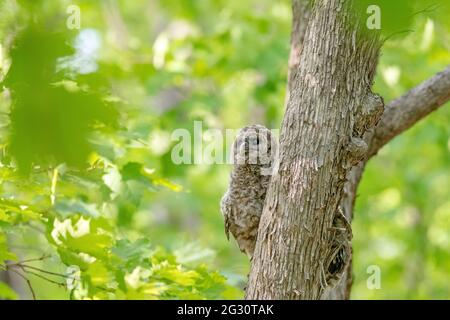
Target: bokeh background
(86,118)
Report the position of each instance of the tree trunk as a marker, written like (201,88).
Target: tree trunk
(329,109)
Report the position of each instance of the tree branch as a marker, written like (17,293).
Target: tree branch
(404,112)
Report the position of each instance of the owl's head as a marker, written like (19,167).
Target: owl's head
(254,145)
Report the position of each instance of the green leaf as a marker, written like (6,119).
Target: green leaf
(5,254)
(176,274)
(70,258)
(132,252)
(4,217)
(66,208)
(96,245)
(98,274)
(68,115)
(24,211)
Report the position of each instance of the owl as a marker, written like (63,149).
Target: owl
(253,155)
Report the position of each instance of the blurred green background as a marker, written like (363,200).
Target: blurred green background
(89,191)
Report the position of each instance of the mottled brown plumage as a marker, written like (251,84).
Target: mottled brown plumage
(243,202)
(339,252)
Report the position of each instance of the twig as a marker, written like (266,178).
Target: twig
(47,272)
(43,257)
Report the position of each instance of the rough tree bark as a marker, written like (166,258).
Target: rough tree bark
(399,115)
(329,111)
